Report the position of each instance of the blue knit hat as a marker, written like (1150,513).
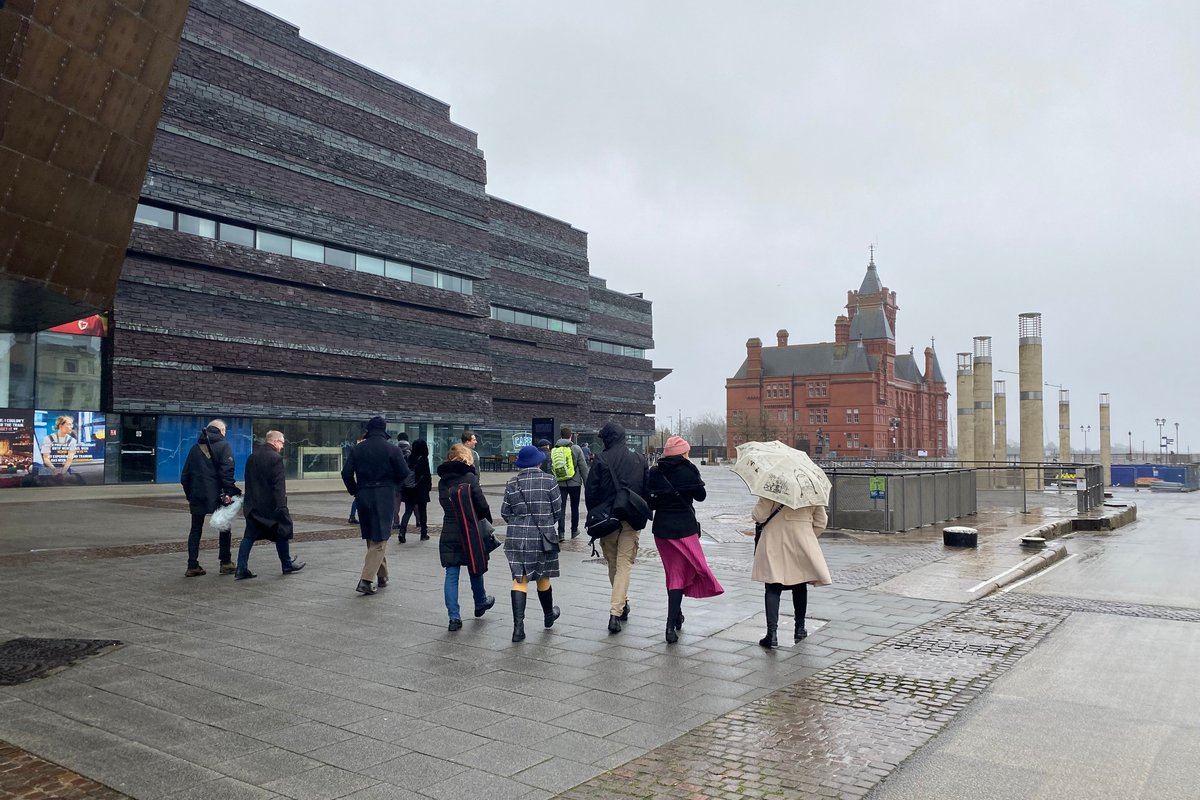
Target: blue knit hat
(529,456)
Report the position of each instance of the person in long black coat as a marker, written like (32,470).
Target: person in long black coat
(456,471)
(416,497)
(373,470)
(208,484)
(265,507)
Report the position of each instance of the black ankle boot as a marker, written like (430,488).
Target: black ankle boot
(674,614)
(518,607)
(771,600)
(551,611)
(800,607)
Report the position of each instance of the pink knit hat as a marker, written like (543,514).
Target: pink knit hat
(676,446)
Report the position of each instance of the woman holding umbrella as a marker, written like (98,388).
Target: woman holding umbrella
(790,513)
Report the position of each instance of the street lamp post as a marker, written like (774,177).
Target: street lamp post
(1176,437)
(1130,435)
(1161,444)
(1085,429)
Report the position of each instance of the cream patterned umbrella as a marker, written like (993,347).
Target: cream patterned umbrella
(781,473)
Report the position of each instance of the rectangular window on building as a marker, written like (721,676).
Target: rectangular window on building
(556,324)
(339,258)
(236,234)
(273,243)
(309,251)
(17,354)
(158,217)
(506,315)
(398,270)
(372,265)
(849,416)
(569,327)
(538,321)
(68,372)
(197,226)
(468,286)
(424,277)
(856,416)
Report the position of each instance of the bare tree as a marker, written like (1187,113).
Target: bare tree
(707,429)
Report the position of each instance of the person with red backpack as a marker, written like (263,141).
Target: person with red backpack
(459,546)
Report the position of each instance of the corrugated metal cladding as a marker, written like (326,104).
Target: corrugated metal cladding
(275,140)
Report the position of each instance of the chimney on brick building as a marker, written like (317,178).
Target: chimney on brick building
(928,364)
(841,329)
(781,337)
(754,358)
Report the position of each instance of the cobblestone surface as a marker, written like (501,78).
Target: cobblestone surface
(27,777)
(839,732)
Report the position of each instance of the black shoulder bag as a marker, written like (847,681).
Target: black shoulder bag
(759,526)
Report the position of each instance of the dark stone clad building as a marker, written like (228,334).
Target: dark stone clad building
(315,244)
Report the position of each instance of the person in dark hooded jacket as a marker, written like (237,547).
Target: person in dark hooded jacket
(208,484)
(673,485)
(373,470)
(616,467)
(456,471)
(416,496)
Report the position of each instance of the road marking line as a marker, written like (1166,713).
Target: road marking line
(1039,573)
(993,579)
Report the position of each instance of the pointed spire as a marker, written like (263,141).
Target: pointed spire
(871,283)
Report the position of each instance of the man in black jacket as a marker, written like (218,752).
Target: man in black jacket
(614,468)
(208,484)
(265,508)
(372,473)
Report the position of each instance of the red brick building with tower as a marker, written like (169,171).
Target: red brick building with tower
(853,397)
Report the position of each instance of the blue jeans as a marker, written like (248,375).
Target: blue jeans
(451,590)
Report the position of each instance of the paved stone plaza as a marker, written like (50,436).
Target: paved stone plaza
(297,687)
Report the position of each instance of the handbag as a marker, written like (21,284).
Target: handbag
(759,526)
(490,542)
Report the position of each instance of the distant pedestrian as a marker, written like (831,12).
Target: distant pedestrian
(416,490)
(673,486)
(570,468)
(472,441)
(788,556)
(544,446)
(266,506)
(530,507)
(462,500)
(406,453)
(615,469)
(208,484)
(588,455)
(372,472)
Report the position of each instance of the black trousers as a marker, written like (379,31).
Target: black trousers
(568,493)
(224,542)
(422,509)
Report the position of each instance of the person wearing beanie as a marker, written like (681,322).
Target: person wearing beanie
(373,471)
(673,487)
(615,468)
(530,507)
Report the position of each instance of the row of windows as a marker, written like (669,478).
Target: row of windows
(615,349)
(779,390)
(818,416)
(852,416)
(818,389)
(281,244)
(532,320)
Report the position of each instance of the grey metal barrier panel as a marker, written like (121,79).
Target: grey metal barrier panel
(941,496)
(928,506)
(851,505)
(910,493)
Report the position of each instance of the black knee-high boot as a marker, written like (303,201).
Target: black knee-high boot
(518,606)
(546,598)
(800,604)
(773,591)
(674,614)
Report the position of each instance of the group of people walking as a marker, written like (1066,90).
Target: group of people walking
(622,494)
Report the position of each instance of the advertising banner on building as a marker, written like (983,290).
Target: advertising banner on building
(95,325)
(68,447)
(16,447)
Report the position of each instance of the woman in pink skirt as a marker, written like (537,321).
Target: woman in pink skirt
(673,485)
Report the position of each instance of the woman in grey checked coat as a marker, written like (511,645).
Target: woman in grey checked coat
(530,507)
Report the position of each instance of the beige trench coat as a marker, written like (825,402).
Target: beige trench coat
(788,551)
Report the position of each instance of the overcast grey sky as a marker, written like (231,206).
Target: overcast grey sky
(734,161)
